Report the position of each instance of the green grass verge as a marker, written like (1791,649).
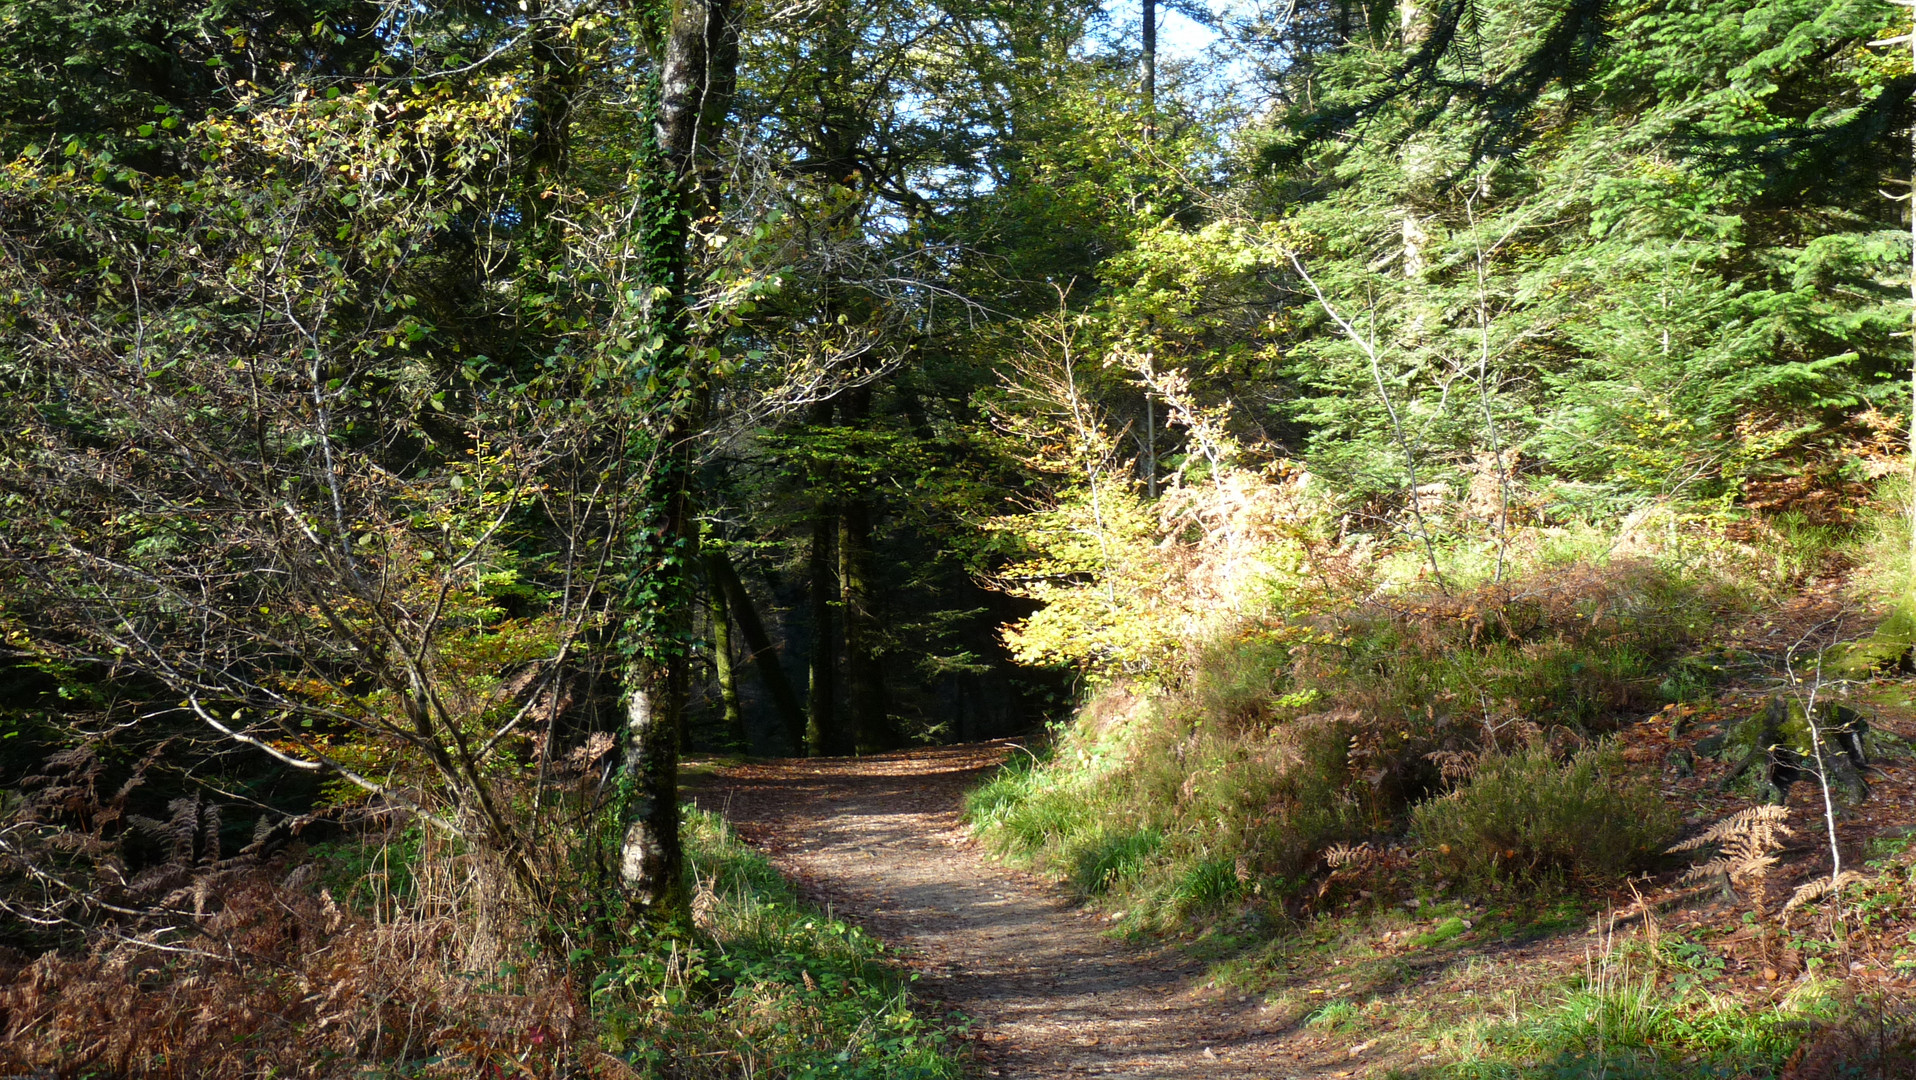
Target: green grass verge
(1635,1018)
(769,986)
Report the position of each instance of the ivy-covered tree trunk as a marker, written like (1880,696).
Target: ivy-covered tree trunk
(697,68)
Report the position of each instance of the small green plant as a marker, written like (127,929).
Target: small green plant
(1336,1015)
(1634,1014)
(1209,883)
(1108,858)
(371,874)
(1010,786)
(1524,816)
(1448,930)
(766,985)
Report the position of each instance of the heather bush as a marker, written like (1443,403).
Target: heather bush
(1525,814)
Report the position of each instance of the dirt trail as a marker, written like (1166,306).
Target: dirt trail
(879,839)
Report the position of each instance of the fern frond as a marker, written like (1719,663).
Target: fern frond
(1821,887)
(1338,856)
(1453,765)
(1755,823)
(1736,868)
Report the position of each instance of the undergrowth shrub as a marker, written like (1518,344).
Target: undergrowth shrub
(1648,1013)
(1572,645)
(1108,858)
(280,980)
(1884,583)
(1026,811)
(272,975)
(1525,814)
(1286,735)
(1877,1041)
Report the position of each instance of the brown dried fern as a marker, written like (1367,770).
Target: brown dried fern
(1811,891)
(1455,766)
(1746,843)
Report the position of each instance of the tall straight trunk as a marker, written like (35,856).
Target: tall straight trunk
(1412,28)
(821,719)
(1148,67)
(864,683)
(697,69)
(821,725)
(723,670)
(758,645)
(556,78)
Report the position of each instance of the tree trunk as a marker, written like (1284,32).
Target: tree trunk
(821,727)
(864,683)
(555,82)
(758,646)
(651,862)
(733,717)
(1148,67)
(696,73)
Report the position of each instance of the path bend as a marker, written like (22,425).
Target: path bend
(880,840)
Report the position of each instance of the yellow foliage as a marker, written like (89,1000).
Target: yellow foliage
(1127,585)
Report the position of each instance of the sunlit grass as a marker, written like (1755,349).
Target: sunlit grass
(770,986)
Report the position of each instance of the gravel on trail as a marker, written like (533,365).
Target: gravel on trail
(879,839)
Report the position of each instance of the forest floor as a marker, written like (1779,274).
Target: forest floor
(1049,991)
(879,839)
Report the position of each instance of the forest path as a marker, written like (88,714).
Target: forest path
(880,840)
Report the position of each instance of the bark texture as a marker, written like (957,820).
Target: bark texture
(698,69)
(651,861)
(725,671)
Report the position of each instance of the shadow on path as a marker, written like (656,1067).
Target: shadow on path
(879,839)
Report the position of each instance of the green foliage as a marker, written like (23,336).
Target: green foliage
(372,877)
(1525,815)
(1634,1015)
(768,984)
(1337,1016)
(1102,862)
(368,374)
(1648,265)
(1024,809)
